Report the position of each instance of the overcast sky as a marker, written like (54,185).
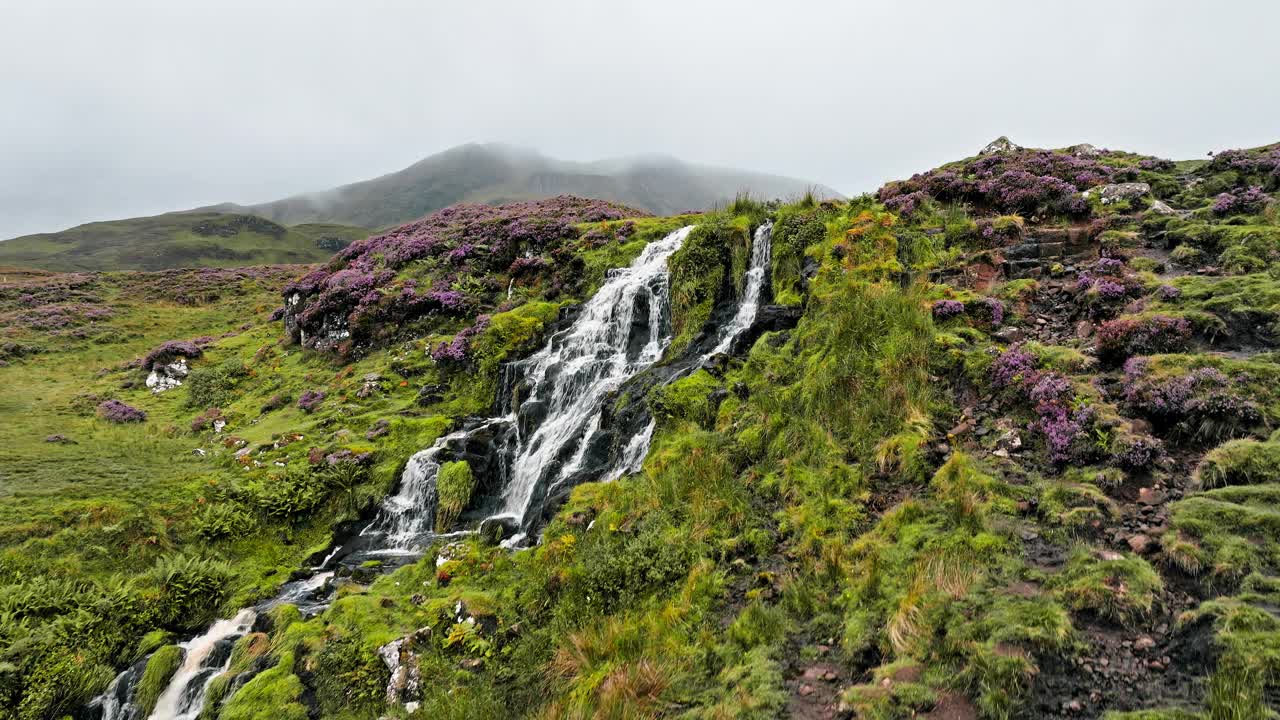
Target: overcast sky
(113,109)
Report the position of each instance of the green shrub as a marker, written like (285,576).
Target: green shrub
(454,485)
(222,520)
(213,385)
(189,590)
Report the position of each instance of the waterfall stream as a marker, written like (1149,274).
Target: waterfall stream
(560,393)
(753,288)
(621,330)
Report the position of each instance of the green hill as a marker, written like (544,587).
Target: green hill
(175,240)
(1001,443)
(493,174)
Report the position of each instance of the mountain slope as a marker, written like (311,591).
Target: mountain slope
(493,173)
(195,239)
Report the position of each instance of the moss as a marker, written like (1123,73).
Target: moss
(1240,462)
(151,642)
(274,694)
(687,399)
(1123,588)
(508,334)
(155,678)
(700,276)
(796,230)
(454,485)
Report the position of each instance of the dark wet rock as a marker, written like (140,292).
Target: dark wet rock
(430,394)
(496,529)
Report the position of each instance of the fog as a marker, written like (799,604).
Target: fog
(113,109)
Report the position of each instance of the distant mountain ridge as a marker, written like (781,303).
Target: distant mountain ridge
(310,227)
(494,173)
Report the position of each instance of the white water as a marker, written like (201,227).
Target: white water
(634,453)
(632,459)
(184,697)
(573,374)
(409,516)
(757,273)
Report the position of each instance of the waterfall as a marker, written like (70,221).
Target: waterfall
(632,458)
(624,328)
(757,275)
(407,518)
(205,657)
(621,330)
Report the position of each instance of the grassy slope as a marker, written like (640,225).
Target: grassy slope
(818,517)
(176,240)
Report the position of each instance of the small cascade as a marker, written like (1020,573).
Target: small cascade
(559,392)
(621,330)
(632,458)
(757,276)
(204,658)
(407,519)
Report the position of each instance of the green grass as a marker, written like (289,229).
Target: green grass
(178,240)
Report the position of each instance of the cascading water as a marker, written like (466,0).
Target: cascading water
(632,458)
(571,376)
(623,329)
(757,275)
(204,657)
(407,518)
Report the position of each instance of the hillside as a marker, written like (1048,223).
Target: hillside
(496,174)
(996,442)
(176,240)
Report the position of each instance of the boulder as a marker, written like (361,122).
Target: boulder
(1084,150)
(168,377)
(497,529)
(1159,207)
(1118,192)
(1001,144)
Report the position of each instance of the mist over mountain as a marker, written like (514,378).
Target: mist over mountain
(494,173)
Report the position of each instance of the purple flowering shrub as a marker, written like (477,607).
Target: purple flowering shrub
(456,351)
(1013,368)
(1203,403)
(455,256)
(1147,335)
(171,350)
(1063,420)
(118,412)
(1260,164)
(1106,287)
(1025,181)
(1247,201)
(1138,452)
(310,400)
(947,309)
(202,286)
(57,318)
(988,312)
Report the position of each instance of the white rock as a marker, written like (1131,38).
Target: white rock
(1001,144)
(167,377)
